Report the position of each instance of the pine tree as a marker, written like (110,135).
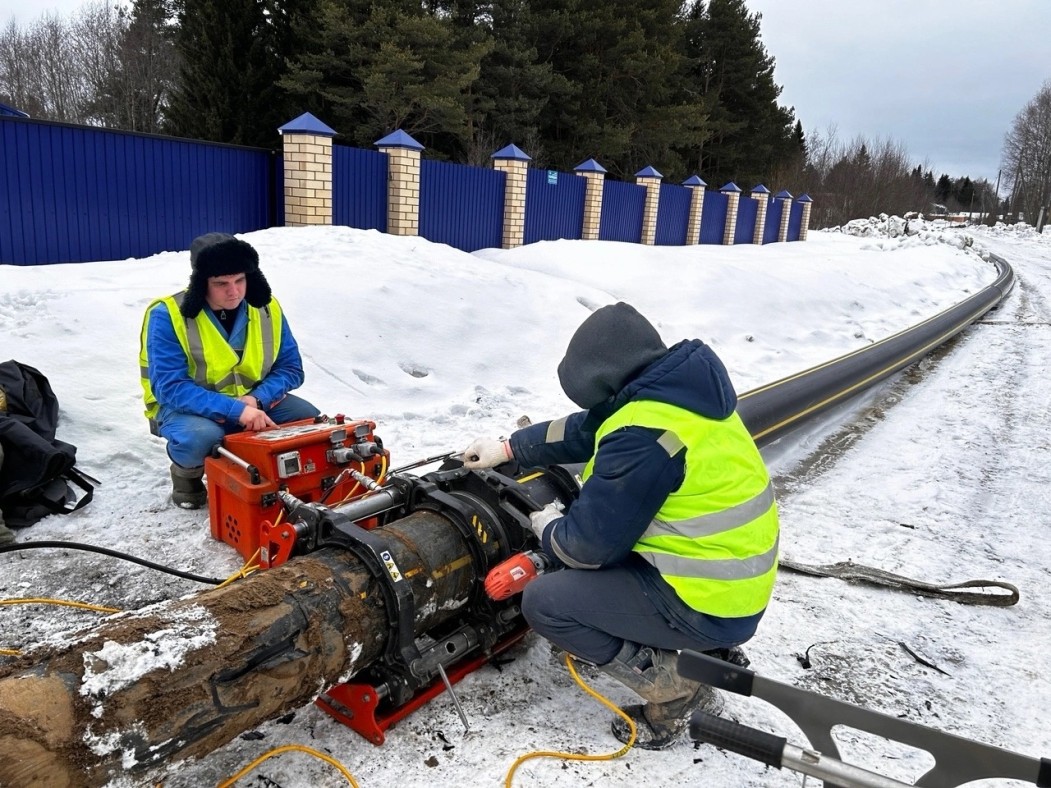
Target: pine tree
(373,67)
(622,96)
(233,54)
(514,86)
(798,144)
(751,134)
(943,189)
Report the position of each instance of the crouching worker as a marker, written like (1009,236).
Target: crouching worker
(216,358)
(672,542)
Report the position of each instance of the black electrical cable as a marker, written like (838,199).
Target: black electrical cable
(114,554)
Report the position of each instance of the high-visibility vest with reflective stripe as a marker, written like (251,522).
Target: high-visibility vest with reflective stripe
(714,540)
(213,364)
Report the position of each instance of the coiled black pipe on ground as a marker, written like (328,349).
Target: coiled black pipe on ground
(774,410)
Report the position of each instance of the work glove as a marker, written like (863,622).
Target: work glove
(486,453)
(538,521)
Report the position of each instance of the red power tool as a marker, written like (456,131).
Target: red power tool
(511,576)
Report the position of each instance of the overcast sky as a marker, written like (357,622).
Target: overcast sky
(29,10)
(945,78)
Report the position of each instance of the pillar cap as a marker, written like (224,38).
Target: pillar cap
(694,180)
(730,187)
(512,151)
(784,194)
(804,198)
(760,189)
(307,124)
(648,172)
(398,139)
(589,166)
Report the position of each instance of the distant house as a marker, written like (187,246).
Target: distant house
(12,112)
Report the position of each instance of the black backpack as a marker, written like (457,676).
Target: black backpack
(37,475)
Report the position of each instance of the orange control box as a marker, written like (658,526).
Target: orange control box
(303,457)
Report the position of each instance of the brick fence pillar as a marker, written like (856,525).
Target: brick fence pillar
(595,174)
(733,194)
(514,162)
(651,180)
(307,153)
(761,195)
(693,223)
(804,224)
(403,182)
(785,198)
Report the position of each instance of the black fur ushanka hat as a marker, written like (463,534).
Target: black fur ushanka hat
(220,254)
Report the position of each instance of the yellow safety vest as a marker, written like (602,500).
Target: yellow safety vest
(715,539)
(213,364)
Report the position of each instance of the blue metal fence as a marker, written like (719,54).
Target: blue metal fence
(713,217)
(359,188)
(554,205)
(461,206)
(673,215)
(75,193)
(622,206)
(773,221)
(747,211)
(795,221)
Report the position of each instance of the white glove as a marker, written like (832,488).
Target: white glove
(486,453)
(538,521)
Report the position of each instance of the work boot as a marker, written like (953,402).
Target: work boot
(188,489)
(653,674)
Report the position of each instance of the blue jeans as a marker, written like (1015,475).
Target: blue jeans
(191,438)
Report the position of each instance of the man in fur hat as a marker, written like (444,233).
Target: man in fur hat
(216,358)
(672,541)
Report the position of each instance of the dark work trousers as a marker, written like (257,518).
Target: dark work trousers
(590,613)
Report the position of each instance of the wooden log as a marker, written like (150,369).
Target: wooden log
(181,678)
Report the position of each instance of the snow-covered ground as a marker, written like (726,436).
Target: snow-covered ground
(942,474)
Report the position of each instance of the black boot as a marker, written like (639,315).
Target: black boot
(188,489)
(653,674)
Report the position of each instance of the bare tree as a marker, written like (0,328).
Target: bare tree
(1026,157)
(858,179)
(109,65)
(17,85)
(148,64)
(40,72)
(54,60)
(98,34)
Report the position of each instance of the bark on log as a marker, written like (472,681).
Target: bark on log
(114,701)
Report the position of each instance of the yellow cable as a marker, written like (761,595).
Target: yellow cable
(569,756)
(62,602)
(10,652)
(357,484)
(247,569)
(289,748)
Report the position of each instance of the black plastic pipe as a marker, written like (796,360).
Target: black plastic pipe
(774,410)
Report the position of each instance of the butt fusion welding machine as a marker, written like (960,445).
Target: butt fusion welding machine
(287,491)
